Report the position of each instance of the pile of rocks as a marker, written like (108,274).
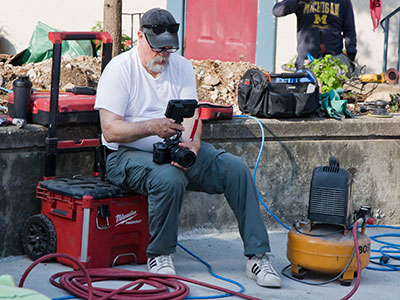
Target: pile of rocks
(80,71)
(217,81)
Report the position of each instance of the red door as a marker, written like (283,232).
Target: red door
(221,29)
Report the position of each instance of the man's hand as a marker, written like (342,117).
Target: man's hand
(193,146)
(165,128)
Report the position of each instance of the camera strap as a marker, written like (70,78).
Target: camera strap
(196,123)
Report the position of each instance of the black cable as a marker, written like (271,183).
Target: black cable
(316,235)
(319,283)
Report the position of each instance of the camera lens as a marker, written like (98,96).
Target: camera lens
(183,156)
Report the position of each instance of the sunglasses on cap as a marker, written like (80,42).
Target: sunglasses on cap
(163,49)
(159,28)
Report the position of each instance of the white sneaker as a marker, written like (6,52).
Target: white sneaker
(261,270)
(161,265)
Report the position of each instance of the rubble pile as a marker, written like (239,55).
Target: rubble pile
(217,81)
(80,71)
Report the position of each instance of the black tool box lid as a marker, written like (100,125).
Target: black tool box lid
(79,186)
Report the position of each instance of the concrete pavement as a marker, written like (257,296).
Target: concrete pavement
(223,251)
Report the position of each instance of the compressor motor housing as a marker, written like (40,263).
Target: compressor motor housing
(331,195)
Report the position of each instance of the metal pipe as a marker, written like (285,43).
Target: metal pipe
(385,21)
(398,49)
(385,44)
(132,15)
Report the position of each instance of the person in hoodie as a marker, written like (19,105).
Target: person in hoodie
(323,27)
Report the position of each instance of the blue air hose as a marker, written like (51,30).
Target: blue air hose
(210,270)
(387,252)
(6,90)
(256,166)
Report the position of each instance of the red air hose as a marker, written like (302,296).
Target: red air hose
(355,239)
(79,283)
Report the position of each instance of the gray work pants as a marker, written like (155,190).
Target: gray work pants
(214,172)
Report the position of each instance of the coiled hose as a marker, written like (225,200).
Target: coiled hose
(79,283)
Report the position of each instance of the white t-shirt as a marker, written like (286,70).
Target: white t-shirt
(127,89)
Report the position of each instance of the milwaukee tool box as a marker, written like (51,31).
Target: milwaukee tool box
(94,222)
(69,107)
(72,108)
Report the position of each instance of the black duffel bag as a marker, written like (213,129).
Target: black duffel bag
(285,95)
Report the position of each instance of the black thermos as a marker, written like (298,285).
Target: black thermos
(22,97)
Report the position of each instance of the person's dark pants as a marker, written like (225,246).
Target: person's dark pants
(214,172)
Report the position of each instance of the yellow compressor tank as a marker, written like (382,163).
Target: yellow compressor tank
(326,248)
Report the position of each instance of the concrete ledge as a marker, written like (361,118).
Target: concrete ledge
(292,149)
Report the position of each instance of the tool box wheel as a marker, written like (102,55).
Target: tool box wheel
(39,237)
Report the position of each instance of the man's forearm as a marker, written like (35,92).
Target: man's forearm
(124,132)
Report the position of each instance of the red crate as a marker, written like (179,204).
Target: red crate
(71,108)
(82,232)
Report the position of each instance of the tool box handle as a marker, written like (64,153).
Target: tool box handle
(52,143)
(58,37)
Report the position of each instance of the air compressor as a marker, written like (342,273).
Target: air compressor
(324,243)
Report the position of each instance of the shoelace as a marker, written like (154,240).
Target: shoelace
(165,261)
(266,265)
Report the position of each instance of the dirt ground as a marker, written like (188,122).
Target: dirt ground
(217,81)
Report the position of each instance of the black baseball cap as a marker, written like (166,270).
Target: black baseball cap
(160,28)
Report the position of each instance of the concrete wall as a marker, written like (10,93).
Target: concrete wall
(370,43)
(292,149)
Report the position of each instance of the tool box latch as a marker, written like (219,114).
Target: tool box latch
(103,212)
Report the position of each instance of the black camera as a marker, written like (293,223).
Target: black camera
(169,150)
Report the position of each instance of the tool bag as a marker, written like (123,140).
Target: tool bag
(285,95)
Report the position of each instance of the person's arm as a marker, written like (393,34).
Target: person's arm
(349,31)
(116,130)
(286,7)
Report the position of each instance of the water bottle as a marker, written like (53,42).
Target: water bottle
(22,96)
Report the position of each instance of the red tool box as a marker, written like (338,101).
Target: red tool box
(72,108)
(85,217)
(94,222)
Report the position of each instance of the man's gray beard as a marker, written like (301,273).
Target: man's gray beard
(158,68)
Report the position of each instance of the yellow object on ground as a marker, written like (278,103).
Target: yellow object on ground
(9,291)
(373,77)
(325,250)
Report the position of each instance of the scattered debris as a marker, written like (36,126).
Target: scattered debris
(80,71)
(217,81)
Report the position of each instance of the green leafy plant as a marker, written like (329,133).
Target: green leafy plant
(394,105)
(126,42)
(330,72)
